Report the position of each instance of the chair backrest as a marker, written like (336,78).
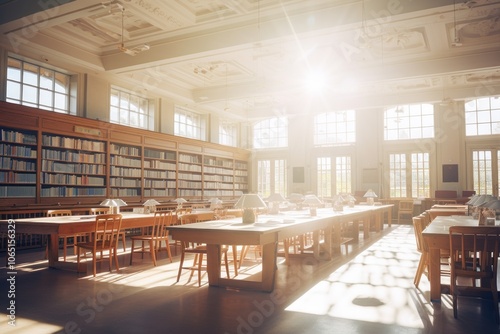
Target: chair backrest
(418,227)
(99,211)
(56,213)
(406,206)
(107,229)
(189,219)
(162,220)
(474,250)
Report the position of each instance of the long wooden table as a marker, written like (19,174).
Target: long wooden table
(54,226)
(267,232)
(436,235)
(447,210)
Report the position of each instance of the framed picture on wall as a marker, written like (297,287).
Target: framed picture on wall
(450,173)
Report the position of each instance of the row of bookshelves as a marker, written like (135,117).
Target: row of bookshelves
(72,166)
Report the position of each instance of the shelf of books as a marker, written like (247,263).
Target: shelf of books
(160,173)
(240,177)
(125,173)
(49,158)
(72,167)
(218,177)
(189,175)
(18,163)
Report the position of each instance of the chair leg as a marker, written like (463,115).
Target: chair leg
(116,259)
(132,251)
(152,250)
(200,261)
(235,259)
(422,263)
(227,264)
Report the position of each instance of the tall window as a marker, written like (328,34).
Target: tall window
(485,169)
(36,86)
(271,133)
(409,122)
(187,123)
(482,116)
(333,128)
(337,178)
(130,110)
(409,175)
(272,177)
(228,134)
(324,177)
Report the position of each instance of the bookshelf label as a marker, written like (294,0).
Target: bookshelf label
(88,131)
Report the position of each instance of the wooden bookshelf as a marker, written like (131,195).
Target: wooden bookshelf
(49,159)
(72,167)
(18,163)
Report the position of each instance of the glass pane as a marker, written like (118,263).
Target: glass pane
(61,83)
(30,94)
(30,74)
(483,104)
(14,69)
(134,119)
(46,79)
(46,98)
(61,101)
(13,90)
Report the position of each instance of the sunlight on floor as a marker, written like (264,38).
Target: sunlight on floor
(27,326)
(376,286)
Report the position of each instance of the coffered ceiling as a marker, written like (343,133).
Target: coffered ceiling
(245,59)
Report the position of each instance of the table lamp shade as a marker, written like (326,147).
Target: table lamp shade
(472,200)
(312,200)
(276,197)
(150,205)
(370,196)
(249,202)
(114,204)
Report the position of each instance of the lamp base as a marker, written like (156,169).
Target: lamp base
(313,211)
(370,201)
(248,216)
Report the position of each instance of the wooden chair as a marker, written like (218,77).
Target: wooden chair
(419,224)
(154,237)
(106,232)
(199,250)
(66,237)
(474,261)
(104,211)
(405,208)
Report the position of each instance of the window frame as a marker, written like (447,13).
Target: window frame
(277,136)
(39,86)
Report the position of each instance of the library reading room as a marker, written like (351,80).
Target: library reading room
(249,166)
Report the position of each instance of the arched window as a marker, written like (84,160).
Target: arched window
(36,86)
(271,133)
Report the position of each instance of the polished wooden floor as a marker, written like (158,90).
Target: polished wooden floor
(368,290)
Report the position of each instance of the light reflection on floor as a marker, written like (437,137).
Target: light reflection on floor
(376,286)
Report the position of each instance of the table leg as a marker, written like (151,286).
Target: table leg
(269,256)
(53,249)
(213,264)
(435,274)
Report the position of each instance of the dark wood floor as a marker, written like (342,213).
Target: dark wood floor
(368,290)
